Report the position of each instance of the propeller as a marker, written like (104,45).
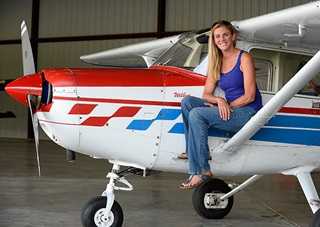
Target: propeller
(29,68)
(32,100)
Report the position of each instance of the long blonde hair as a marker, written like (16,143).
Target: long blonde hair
(214,53)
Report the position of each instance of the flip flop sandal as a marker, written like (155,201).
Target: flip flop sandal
(188,180)
(203,178)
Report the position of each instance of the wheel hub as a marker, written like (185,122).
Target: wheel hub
(211,201)
(101,220)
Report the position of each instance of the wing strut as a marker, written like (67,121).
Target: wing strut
(302,77)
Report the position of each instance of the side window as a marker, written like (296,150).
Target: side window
(263,74)
(312,88)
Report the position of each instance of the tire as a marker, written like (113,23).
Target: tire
(212,186)
(93,213)
(315,220)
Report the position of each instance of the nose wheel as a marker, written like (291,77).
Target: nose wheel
(94,213)
(104,210)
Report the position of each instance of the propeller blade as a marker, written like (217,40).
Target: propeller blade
(27,55)
(32,100)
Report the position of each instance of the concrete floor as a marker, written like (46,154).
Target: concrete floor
(57,198)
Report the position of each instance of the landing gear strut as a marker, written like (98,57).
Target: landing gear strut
(303,173)
(214,198)
(104,210)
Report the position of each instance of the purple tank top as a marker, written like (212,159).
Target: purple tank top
(233,86)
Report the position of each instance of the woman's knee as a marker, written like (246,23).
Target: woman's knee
(186,100)
(195,115)
(190,102)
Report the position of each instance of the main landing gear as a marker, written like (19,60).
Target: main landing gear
(214,198)
(104,210)
(206,199)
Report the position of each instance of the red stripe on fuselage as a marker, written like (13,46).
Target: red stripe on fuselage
(289,110)
(121,101)
(125,111)
(293,110)
(82,109)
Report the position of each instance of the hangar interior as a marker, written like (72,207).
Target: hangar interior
(63,30)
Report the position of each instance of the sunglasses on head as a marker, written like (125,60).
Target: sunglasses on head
(222,22)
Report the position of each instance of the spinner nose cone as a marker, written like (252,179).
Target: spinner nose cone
(21,87)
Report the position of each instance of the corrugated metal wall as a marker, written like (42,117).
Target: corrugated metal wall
(81,18)
(61,18)
(193,15)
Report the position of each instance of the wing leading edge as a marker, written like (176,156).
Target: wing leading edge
(140,55)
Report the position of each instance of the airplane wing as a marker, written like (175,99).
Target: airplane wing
(136,55)
(298,26)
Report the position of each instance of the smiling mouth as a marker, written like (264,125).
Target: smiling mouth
(223,43)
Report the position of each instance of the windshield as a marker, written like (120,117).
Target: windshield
(188,52)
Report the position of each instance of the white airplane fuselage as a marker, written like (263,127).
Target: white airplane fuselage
(133,117)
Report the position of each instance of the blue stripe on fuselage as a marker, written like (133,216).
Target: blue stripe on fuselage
(164,114)
(300,130)
(295,122)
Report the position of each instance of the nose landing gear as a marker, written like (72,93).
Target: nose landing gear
(103,210)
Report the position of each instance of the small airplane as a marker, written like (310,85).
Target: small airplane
(129,113)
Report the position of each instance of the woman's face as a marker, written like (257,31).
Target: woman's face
(223,38)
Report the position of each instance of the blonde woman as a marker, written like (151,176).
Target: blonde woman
(233,71)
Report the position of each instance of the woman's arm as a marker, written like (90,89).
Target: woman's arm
(249,80)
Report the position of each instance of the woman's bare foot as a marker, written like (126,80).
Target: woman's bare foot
(195,180)
(185,156)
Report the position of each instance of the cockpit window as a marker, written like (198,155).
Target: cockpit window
(177,56)
(187,53)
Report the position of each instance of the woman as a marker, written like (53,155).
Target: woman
(233,70)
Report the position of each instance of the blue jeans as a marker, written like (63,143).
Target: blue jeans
(197,119)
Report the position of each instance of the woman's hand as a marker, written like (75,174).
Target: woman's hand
(224,109)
